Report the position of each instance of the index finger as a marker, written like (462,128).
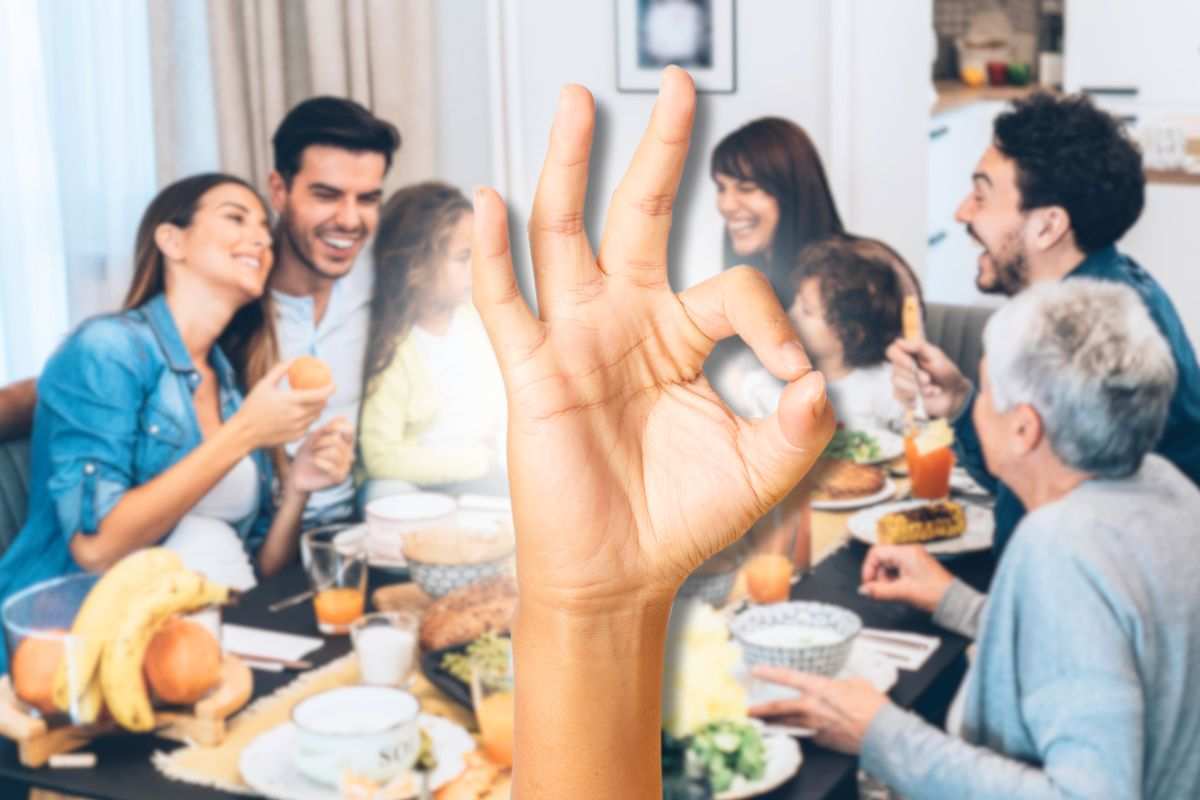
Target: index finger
(634,244)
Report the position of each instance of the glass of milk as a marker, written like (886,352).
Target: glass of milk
(386,645)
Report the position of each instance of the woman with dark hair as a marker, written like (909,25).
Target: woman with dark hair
(434,412)
(142,435)
(775,198)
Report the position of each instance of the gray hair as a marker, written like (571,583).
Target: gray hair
(1087,356)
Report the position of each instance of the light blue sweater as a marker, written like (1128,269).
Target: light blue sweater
(1087,679)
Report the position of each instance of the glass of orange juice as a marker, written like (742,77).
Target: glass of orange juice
(495,711)
(337,570)
(929,471)
(769,569)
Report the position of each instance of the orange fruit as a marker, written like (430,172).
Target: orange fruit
(183,662)
(769,578)
(309,372)
(34,666)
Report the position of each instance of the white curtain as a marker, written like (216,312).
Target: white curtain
(82,152)
(33,300)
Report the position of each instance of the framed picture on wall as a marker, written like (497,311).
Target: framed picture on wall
(697,35)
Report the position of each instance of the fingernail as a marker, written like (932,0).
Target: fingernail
(477,197)
(863,591)
(794,358)
(814,393)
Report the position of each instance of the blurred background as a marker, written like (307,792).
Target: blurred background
(108,100)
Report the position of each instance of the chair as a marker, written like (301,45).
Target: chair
(958,331)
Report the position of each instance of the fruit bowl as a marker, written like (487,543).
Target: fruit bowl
(37,624)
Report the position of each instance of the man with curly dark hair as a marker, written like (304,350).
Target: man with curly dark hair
(1061,183)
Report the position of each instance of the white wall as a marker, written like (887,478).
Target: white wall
(464,122)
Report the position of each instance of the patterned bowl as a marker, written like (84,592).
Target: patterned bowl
(805,636)
(445,559)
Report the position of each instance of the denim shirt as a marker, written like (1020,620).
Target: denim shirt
(114,411)
(1180,441)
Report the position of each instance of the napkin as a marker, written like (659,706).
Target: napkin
(250,642)
(906,650)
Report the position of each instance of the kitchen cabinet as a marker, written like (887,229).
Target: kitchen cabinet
(1145,53)
(957,139)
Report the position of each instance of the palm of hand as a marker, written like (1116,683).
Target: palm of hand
(626,447)
(626,469)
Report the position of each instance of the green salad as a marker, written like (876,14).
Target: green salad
(489,654)
(854,446)
(724,750)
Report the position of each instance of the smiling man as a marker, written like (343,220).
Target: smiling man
(331,156)
(1059,186)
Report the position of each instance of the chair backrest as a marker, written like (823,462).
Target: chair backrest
(958,331)
(14,489)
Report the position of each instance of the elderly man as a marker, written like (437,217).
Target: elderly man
(1088,665)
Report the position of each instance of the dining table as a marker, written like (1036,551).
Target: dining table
(124,770)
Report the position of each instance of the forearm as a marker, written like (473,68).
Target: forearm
(589,708)
(960,609)
(916,759)
(279,548)
(146,513)
(17,403)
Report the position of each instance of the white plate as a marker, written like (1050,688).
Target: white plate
(783,761)
(962,482)
(978,536)
(848,504)
(891,446)
(862,663)
(266,763)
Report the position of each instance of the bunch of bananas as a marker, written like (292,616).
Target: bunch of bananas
(113,628)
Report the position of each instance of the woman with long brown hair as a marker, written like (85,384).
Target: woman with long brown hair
(434,412)
(142,433)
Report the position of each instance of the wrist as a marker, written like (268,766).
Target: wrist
(240,434)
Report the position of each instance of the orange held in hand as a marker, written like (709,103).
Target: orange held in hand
(34,665)
(769,578)
(309,372)
(183,662)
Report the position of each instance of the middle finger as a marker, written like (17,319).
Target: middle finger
(634,245)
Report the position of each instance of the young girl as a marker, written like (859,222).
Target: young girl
(434,414)
(847,310)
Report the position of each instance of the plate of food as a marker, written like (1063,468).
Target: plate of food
(842,485)
(943,526)
(267,764)
(738,759)
(864,445)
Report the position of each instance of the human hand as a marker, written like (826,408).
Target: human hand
(905,573)
(944,388)
(626,469)
(273,414)
(325,457)
(839,711)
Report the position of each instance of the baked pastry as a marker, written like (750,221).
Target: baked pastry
(467,613)
(925,523)
(841,479)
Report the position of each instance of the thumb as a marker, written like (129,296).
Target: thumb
(276,373)
(782,448)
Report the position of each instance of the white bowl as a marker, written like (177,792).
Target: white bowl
(801,635)
(370,730)
(390,519)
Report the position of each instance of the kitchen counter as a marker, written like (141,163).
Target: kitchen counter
(956,94)
(1173,176)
